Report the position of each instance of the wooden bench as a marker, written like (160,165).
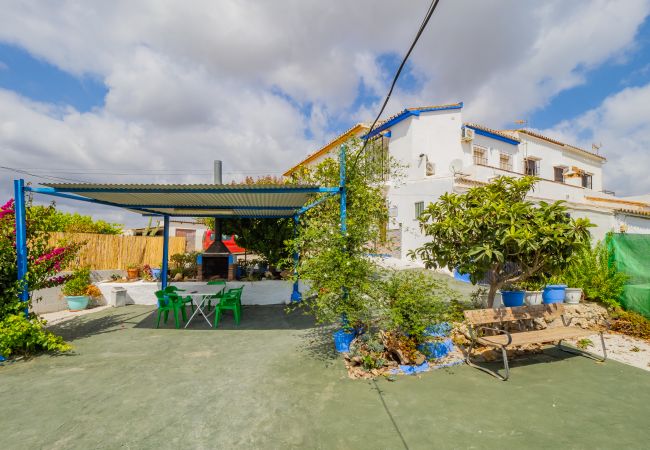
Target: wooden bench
(486,327)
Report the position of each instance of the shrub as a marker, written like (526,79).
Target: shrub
(414,301)
(630,323)
(19,335)
(594,271)
(185,263)
(78,283)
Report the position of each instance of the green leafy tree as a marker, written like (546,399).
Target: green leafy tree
(265,237)
(75,223)
(492,232)
(340,274)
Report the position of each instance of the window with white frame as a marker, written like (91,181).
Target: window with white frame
(587,180)
(531,166)
(480,155)
(558,173)
(419,209)
(505,161)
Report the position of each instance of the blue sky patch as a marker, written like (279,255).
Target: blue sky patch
(43,82)
(601,82)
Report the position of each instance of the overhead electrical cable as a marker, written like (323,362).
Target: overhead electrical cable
(423,25)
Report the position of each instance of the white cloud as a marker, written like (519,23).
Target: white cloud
(229,79)
(622,125)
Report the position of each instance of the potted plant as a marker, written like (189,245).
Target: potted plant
(75,289)
(133,271)
(572,296)
(533,287)
(555,291)
(512,295)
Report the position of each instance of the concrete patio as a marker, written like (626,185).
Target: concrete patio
(273,382)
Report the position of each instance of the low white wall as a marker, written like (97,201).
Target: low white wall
(265,292)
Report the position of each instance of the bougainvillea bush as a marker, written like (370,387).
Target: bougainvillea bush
(21,334)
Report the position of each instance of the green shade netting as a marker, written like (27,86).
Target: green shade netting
(631,252)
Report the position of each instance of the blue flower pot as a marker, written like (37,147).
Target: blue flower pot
(343,339)
(437,349)
(513,298)
(77,302)
(554,293)
(464,277)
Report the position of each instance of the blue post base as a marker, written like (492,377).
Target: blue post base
(296,296)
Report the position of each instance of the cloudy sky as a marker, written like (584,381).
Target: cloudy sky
(153,91)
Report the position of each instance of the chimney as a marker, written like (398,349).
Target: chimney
(217,180)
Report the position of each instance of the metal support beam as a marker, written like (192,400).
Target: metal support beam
(54,193)
(163,271)
(296,296)
(304,209)
(21,240)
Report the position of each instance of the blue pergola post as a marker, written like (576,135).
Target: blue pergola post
(343,192)
(296,296)
(163,271)
(21,239)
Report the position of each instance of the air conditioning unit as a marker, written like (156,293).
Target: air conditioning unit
(468,134)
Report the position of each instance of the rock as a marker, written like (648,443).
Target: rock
(178,277)
(419,358)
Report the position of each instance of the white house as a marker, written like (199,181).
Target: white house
(444,154)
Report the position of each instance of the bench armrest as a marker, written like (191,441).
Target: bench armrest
(507,333)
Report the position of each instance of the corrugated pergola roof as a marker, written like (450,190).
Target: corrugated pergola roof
(196,200)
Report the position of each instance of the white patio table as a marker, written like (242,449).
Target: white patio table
(199,299)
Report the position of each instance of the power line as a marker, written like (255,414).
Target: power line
(423,25)
(45,177)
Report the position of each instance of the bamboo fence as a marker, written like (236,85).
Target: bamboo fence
(106,251)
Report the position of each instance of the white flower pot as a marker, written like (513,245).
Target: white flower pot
(572,296)
(533,298)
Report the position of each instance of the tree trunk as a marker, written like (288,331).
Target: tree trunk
(494,287)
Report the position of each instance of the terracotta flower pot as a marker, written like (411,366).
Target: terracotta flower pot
(132,274)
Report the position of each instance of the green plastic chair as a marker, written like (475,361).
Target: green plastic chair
(219,294)
(185,300)
(172,288)
(231,300)
(168,301)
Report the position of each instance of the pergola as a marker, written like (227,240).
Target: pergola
(221,201)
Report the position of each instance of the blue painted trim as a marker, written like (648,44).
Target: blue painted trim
(388,134)
(344,193)
(287,190)
(263,208)
(406,114)
(21,239)
(493,135)
(165,258)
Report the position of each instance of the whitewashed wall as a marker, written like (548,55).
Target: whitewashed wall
(404,197)
(552,155)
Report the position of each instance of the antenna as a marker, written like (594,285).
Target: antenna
(523,122)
